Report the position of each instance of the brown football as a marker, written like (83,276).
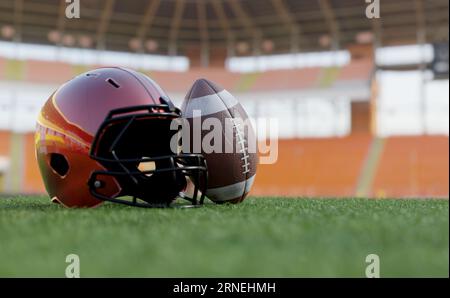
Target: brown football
(231,173)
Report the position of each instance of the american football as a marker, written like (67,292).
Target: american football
(231,174)
(223,147)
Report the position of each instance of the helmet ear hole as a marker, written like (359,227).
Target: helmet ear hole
(59,164)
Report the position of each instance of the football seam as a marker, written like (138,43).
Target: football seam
(232,117)
(244,150)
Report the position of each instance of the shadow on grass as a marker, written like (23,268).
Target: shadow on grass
(44,204)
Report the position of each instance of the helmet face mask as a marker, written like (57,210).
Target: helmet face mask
(97,141)
(144,164)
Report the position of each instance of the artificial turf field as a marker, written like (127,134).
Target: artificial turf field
(262,237)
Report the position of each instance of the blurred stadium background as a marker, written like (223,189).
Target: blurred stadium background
(362,104)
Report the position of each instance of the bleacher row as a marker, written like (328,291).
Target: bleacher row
(407,167)
(295,79)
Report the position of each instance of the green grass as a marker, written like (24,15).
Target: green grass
(274,237)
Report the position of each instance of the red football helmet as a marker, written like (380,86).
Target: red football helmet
(105,136)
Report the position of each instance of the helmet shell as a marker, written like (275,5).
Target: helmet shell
(68,122)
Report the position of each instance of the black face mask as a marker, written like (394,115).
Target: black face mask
(133,144)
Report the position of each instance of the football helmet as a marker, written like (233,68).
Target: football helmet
(105,136)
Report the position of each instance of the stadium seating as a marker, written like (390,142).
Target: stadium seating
(30,182)
(57,72)
(304,167)
(286,80)
(45,72)
(4,142)
(5,146)
(357,70)
(413,166)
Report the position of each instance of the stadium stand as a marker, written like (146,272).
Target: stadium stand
(303,168)
(286,80)
(294,79)
(4,157)
(30,184)
(413,166)
(45,72)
